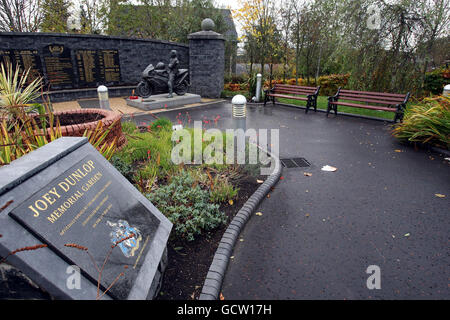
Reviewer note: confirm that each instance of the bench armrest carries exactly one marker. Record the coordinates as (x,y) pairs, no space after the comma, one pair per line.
(336,96)
(406,98)
(317,91)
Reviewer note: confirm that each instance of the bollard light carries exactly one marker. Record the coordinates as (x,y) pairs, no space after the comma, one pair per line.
(258,86)
(103,97)
(447,91)
(239,111)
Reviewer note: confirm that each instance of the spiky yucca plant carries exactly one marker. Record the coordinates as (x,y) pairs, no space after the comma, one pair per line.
(426,122)
(15,92)
(97,138)
(24,135)
(19,130)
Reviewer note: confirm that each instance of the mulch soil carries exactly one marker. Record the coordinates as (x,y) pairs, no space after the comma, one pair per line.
(72,118)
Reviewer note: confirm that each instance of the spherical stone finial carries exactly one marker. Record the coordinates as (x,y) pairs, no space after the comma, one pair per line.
(208,24)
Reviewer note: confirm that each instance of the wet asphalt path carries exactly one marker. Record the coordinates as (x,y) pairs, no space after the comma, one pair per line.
(317,235)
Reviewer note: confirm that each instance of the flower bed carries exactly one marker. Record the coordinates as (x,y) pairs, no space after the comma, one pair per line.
(200,200)
(75,122)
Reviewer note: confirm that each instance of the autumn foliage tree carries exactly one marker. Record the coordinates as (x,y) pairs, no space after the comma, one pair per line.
(258,21)
(55,15)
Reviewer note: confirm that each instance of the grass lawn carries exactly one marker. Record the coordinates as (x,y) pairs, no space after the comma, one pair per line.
(322,103)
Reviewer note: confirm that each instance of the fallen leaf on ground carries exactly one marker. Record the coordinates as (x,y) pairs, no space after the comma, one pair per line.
(407,234)
(193,295)
(259,213)
(268,196)
(232,257)
(241,240)
(329,168)
(307,174)
(259,181)
(398,150)
(439,195)
(307,215)
(221,296)
(230,202)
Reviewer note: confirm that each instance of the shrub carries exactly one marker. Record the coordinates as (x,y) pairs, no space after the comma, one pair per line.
(153,147)
(187,206)
(222,191)
(436,80)
(128,127)
(330,84)
(426,122)
(161,124)
(21,131)
(124,168)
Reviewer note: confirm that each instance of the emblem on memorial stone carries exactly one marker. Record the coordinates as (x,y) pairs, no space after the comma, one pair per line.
(122,230)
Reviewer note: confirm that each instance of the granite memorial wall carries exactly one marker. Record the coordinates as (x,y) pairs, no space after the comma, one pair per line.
(74,65)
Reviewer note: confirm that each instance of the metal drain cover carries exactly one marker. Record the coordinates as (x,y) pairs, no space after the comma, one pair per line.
(295,162)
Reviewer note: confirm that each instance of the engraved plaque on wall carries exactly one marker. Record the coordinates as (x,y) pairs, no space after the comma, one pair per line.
(58,64)
(111,65)
(25,59)
(29,59)
(97,67)
(6,57)
(88,74)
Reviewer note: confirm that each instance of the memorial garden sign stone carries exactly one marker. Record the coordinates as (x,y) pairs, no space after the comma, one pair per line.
(74,196)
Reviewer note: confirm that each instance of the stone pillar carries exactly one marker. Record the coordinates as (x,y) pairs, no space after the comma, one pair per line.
(206,61)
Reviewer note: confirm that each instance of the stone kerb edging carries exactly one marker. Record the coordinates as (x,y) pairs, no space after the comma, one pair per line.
(214,278)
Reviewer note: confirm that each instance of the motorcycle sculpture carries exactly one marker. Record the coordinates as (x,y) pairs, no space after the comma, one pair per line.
(154,81)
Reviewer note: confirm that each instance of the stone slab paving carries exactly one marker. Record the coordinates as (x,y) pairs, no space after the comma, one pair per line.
(120,105)
(318,234)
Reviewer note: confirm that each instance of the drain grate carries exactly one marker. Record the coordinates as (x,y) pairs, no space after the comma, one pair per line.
(295,162)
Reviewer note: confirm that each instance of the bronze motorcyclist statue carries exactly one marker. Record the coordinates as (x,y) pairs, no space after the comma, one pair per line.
(164,78)
(172,69)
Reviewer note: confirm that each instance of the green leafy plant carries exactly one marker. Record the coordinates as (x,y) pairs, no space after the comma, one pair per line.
(187,206)
(124,168)
(23,135)
(161,124)
(426,122)
(16,92)
(222,190)
(97,137)
(436,80)
(26,126)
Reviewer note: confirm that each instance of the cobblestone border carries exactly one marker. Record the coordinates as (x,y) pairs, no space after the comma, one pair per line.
(214,278)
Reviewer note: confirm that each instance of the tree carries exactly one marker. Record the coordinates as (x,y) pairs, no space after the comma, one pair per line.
(20,15)
(286,13)
(160,19)
(258,20)
(55,15)
(90,16)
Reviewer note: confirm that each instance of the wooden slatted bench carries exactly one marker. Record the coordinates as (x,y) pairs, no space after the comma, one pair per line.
(392,102)
(294,92)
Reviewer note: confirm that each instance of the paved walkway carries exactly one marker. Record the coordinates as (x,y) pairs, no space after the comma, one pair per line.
(119,105)
(318,234)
